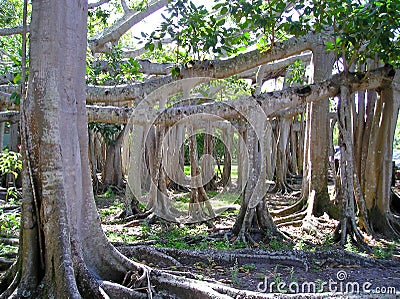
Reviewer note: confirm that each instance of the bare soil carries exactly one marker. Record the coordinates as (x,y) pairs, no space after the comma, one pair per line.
(309,263)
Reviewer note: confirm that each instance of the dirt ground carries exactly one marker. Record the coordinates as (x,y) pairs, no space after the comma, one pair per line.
(309,263)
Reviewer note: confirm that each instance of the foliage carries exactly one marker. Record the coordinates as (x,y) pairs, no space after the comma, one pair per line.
(235,273)
(383,252)
(109,193)
(396,142)
(10,164)
(296,73)
(111,69)
(219,148)
(107,131)
(6,249)
(229,28)
(9,224)
(349,246)
(98,19)
(351,21)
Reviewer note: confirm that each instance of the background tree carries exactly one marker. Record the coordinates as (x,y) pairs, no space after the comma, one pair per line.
(62,245)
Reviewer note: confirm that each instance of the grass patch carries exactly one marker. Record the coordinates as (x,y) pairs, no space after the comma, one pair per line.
(9,224)
(5,249)
(106,212)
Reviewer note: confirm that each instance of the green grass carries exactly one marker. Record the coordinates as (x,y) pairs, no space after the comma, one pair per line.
(4,249)
(9,224)
(114,209)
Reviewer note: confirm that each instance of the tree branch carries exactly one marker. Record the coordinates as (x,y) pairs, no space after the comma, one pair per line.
(12,31)
(271,102)
(112,34)
(137,52)
(97,4)
(218,69)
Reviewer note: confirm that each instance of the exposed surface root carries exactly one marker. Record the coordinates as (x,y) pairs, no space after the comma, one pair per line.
(286,220)
(9,281)
(150,255)
(114,290)
(300,205)
(5,263)
(230,257)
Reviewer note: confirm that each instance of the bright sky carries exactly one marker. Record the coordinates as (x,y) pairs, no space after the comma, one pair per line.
(153,21)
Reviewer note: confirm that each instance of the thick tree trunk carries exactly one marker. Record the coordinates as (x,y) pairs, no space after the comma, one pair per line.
(112,172)
(208,173)
(347,193)
(63,250)
(315,172)
(253,212)
(377,165)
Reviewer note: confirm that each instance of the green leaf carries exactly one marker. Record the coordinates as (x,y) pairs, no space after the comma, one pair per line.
(330,46)
(224,10)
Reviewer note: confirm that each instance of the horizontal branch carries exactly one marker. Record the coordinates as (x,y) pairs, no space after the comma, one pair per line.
(97,4)
(275,69)
(127,53)
(213,69)
(9,116)
(219,69)
(12,31)
(127,92)
(270,103)
(146,67)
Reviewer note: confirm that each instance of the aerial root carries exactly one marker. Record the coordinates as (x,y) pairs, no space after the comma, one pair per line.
(394,225)
(9,241)
(5,263)
(283,188)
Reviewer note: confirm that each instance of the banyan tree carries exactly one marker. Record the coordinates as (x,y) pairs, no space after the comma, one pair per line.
(63,251)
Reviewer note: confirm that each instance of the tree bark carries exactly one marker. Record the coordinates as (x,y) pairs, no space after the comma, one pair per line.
(315,172)
(348,179)
(63,250)
(253,211)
